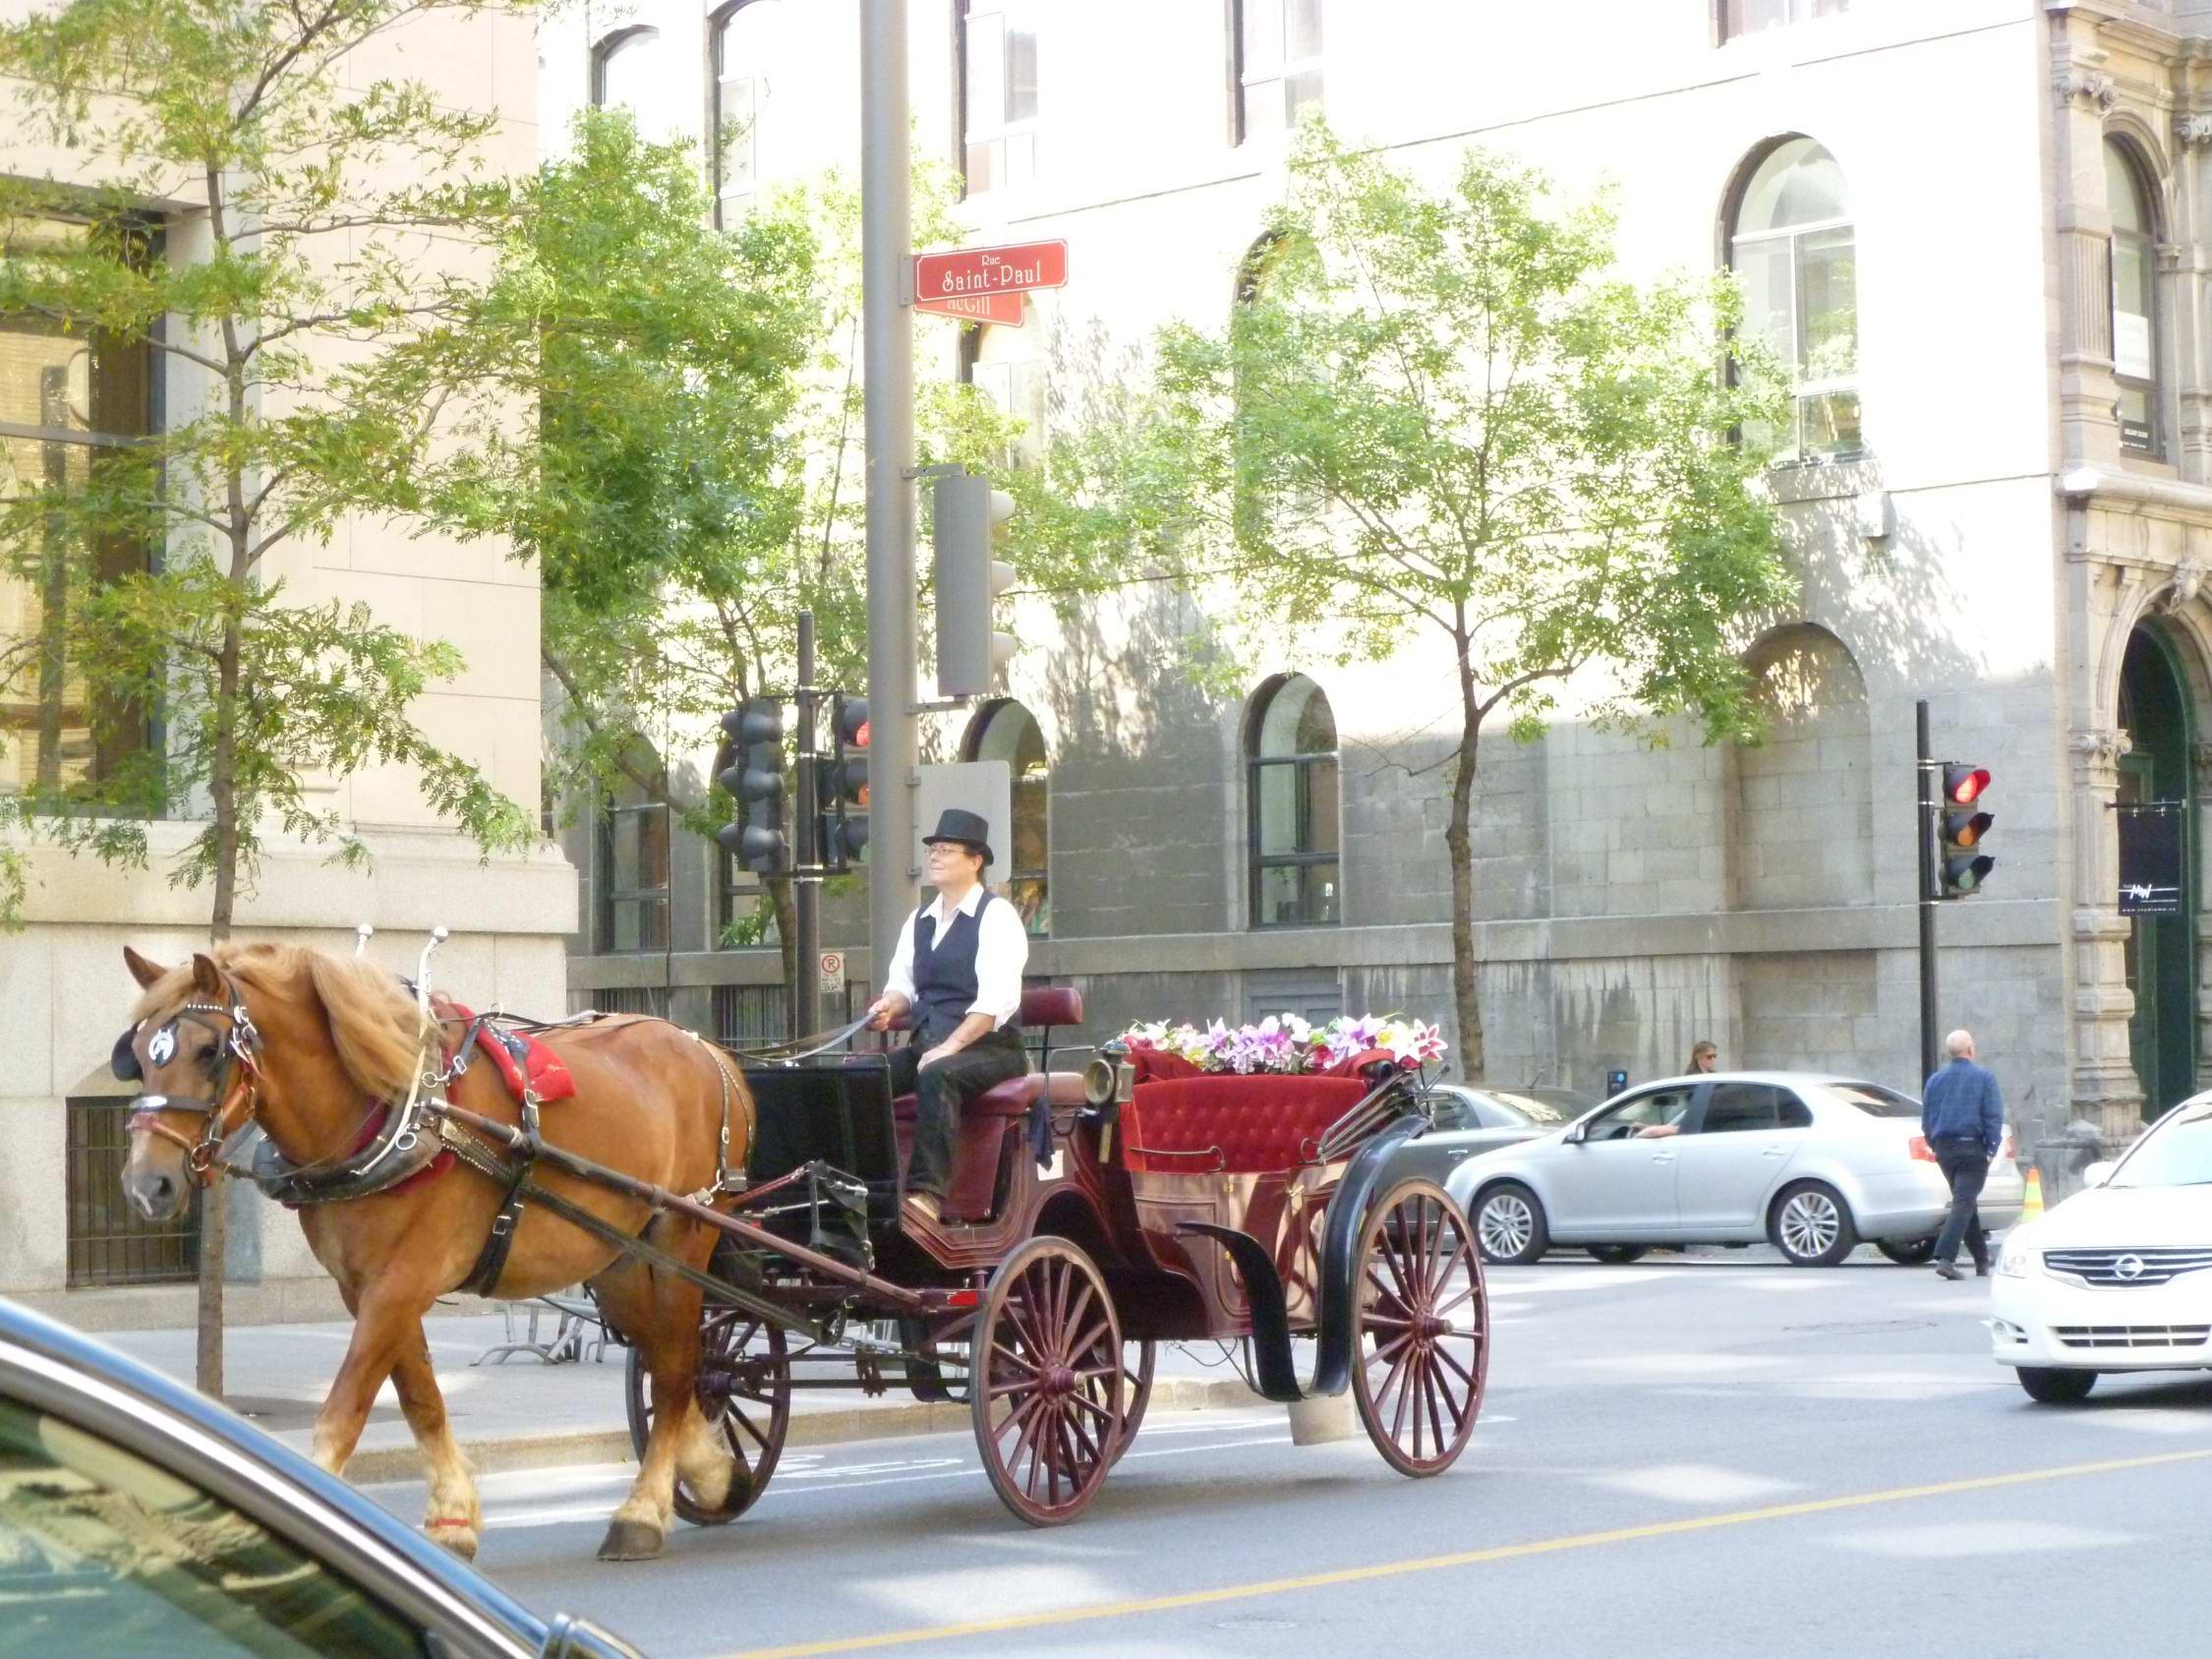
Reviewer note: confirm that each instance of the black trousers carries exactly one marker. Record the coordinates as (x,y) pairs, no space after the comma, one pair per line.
(940,1090)
(1965,1166)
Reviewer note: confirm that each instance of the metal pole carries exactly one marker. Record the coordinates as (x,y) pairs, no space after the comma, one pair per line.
(888,372)
(806,979)
(1925,827)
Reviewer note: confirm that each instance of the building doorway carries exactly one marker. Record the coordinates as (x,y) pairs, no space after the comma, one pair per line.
(2161,950)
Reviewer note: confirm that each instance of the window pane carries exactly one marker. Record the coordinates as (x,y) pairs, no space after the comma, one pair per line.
(1300,92)
(1319,789)
(1798,183)
(1829,423)
(107,1554)
(737,108)
(1763,269)
(1738,1107)
(2132,280)
(1301,29)
(626,78)
(984,164)
(986,74)
(1828,277)
(1263,107)
(1297,894)
(2124,192)
(1021,150)
(1021,73)
(1276,791)
(1263,35)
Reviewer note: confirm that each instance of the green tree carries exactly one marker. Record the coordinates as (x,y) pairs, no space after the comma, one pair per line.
(696,476)
(1436,416)
(286,293)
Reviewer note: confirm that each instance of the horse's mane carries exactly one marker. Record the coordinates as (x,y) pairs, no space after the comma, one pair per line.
(374,1027)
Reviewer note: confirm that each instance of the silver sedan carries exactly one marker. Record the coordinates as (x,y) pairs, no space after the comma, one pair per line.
(1811,1163)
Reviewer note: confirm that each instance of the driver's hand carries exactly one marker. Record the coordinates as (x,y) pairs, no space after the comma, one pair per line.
(881,1012)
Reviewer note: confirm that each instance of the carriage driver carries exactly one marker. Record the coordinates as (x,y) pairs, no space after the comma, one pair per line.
(959,966)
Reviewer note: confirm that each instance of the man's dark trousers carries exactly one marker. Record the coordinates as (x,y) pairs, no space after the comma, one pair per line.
(1966,1165)
(939,1090)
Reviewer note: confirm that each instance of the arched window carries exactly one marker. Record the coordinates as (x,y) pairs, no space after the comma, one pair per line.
(2134,299)
(1791,246)
(998,70)
(1006,731)
(622,66)
(743,45)
(630,864)
(1291,752)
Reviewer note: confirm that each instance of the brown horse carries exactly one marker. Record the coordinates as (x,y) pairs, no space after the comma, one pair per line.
(314,1048)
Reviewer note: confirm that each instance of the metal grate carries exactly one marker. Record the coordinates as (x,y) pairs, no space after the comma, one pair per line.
(745,1015)
(2149,1265)
(109,1241)
(2132,1335)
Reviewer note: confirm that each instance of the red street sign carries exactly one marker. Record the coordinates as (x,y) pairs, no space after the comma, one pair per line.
(1003,309)
(961,272)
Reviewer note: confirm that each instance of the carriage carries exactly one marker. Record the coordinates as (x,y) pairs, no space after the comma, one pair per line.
(1104,1213)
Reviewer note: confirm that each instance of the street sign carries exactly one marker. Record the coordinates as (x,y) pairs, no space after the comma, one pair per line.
(1003,310)
(1002,274)
(833,968)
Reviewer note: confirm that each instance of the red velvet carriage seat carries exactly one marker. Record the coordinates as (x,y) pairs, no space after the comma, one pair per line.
(991,1123)
(1250,1125)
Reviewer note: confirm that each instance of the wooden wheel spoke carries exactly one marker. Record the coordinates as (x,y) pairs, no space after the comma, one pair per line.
(1059,1276)
(1431,1384)
(1466,1375)
(1092,1337)
(1396,1269)
(1449,1264)
(1076,1307)
(1410,1392)
(1463,1296)
(1079,1439)
(1384,1351)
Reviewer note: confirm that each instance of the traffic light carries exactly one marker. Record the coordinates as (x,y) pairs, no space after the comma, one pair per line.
(844,783)
(1960,828)
(969,650)
(755,778)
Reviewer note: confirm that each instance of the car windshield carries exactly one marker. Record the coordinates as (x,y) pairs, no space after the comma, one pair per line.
(1528,1107)
(2178,1153)
(1876,1100)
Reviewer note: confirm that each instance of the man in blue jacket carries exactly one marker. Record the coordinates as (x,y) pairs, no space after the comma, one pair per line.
(1963,1116)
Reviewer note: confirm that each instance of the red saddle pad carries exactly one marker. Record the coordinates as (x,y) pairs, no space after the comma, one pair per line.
(522,1060)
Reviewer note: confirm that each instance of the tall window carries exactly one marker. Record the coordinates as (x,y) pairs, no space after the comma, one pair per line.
(742,33)
(622,66)
(71,402)
(1002,364)
(1793,248)
(1276,45)
(632,868)
(1748,17)
(998,94)
(2135,279)
(1295,840)
(1008,732)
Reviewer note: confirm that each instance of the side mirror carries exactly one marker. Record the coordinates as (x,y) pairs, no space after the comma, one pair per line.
(1575,1135)
(2097,1174)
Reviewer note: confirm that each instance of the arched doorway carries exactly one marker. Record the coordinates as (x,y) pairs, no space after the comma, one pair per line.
(2161,950)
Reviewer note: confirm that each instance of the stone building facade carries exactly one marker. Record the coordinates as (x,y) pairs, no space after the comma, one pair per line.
(66,1238)
(1976,230)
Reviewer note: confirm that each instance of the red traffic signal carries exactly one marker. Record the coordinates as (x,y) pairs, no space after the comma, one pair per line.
(1963,785)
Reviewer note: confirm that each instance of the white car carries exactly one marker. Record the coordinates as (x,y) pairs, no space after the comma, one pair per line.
(2119,1277)
(1810,1161)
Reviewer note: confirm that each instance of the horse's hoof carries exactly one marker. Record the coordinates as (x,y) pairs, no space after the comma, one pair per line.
(630,1540)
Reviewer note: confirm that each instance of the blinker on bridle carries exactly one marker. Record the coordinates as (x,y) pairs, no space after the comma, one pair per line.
(240,1044)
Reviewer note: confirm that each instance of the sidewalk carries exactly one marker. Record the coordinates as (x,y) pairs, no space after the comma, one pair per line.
(522,1414)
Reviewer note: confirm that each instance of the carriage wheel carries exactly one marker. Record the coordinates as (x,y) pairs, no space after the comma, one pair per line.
(1137,1389)
(1424,1333)
(744,1389)
(1046,1394)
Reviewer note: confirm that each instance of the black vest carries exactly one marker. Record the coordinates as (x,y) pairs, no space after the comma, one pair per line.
(944,974)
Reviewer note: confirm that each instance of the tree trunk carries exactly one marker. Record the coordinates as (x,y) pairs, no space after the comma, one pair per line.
(1459,844)
(222,787)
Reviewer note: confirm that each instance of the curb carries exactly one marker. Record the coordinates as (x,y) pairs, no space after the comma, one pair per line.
(386,1465)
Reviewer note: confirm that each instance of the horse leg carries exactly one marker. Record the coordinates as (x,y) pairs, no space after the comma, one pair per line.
(451,1515)
(381,1325)
(660,1315)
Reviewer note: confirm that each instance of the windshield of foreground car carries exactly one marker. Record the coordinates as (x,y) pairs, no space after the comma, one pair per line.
(1530,1108)
(2179,1154)
(1876,1100)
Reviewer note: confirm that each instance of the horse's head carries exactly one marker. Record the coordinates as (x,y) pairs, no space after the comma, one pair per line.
(196,1052)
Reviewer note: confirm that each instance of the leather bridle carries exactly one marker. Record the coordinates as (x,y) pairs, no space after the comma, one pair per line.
(237,1086)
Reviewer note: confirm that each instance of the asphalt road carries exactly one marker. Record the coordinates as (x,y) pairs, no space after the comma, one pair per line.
(1703,1458)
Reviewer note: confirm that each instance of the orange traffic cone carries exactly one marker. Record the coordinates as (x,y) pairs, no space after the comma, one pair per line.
(2031,1201)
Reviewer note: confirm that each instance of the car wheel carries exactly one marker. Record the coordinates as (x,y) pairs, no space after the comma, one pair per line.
(1812,1226)
(1617,1254)
(1908,1252)
(1509,1225)
(2051,1387)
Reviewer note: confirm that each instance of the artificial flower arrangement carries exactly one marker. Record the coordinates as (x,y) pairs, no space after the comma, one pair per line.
(1287,1044)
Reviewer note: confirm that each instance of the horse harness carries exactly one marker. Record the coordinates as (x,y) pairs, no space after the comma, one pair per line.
(240,1045)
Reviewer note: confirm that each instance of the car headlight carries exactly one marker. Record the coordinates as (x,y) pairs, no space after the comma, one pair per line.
(2015,1258)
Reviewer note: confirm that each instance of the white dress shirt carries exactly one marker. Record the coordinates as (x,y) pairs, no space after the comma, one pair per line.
(1001,951)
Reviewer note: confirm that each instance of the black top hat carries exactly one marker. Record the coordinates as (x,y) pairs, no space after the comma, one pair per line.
(967,828)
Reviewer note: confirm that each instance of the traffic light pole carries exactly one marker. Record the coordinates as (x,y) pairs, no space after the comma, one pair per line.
(888,374)
(806,895)
(1926,827)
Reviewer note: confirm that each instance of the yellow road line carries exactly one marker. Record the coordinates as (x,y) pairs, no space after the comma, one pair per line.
(1464,1558)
